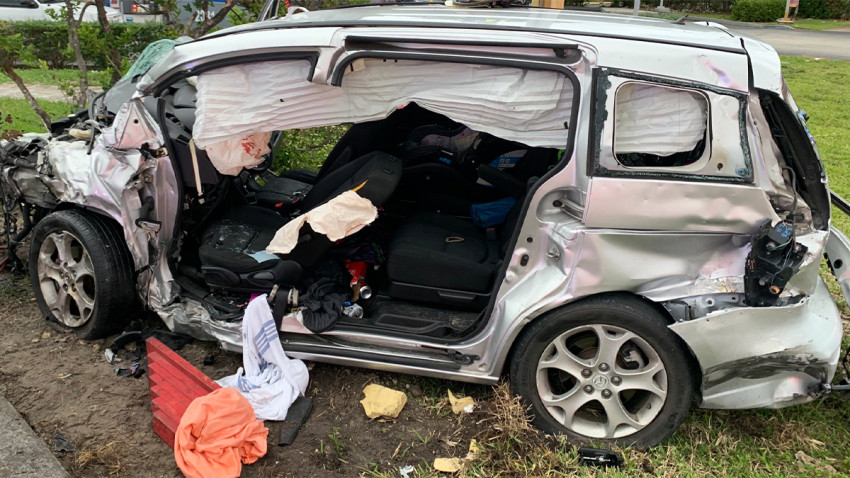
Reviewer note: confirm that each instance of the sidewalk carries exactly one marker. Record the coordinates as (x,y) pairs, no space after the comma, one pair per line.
(22,453)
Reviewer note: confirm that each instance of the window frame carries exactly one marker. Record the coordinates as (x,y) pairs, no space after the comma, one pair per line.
(603,93)
(707,147)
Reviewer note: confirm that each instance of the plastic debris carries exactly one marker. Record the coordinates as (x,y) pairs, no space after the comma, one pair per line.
(295,417)
(62,443)
(453,465)
(599,457)
(474,450)
(174,383)
(406,471)
(448,465)
(127,371)
(382,401)
(465,404)
(110,356)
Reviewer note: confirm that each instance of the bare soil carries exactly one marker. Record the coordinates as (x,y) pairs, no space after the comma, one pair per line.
(62,384)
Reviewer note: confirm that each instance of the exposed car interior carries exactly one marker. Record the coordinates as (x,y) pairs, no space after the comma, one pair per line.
(449,200)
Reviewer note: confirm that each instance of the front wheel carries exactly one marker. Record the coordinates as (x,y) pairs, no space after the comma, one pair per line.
(605,368)
(81,273)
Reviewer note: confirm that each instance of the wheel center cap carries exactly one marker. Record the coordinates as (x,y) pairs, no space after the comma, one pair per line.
(599,381)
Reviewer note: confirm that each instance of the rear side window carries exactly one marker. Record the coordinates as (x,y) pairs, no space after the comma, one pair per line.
(650,127)
(658,126)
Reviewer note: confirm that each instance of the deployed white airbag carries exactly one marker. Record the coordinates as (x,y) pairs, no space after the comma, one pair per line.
(340,217)
(238,101)
(658,120)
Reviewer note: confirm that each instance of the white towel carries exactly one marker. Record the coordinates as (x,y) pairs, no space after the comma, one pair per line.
(271,380)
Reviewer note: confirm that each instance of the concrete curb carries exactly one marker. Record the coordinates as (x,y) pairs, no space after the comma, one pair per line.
(22,453)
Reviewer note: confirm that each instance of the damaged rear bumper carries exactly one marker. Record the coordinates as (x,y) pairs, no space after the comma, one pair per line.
(766,357)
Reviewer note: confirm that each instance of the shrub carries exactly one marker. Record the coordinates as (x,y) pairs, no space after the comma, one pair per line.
(49,40)
(823,9)
(696,6)
(758,10)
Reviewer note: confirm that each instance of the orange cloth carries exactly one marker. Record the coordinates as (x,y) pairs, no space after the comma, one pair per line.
(217,434)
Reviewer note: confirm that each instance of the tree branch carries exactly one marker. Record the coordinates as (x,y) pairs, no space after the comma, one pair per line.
(74,40)
(11,73)
(187,28)
(114,55)
(217,18)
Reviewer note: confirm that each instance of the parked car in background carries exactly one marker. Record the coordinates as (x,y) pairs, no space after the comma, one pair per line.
(15,10)
(623,215)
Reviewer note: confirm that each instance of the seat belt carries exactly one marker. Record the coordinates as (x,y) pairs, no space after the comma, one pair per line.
(196,170)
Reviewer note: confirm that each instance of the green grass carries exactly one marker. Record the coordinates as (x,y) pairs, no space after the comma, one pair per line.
(23,118)
(48,77)
(802,23)
(64,77)
(820,88)
(815,24)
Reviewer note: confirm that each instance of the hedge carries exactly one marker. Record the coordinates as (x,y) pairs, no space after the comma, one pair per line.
(770,10)
(758,10)
(823,9)
(49,40)
(696,6)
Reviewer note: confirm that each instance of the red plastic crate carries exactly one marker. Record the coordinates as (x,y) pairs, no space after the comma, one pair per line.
(174,383)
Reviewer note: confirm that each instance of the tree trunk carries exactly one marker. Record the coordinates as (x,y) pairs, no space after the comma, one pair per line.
(216,19)
(114,55)
(74,40)
(11,73)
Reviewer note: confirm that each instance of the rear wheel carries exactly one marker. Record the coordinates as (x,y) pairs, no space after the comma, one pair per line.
(81,273)
(606,368)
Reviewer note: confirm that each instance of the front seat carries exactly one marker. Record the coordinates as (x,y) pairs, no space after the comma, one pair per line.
(232,251)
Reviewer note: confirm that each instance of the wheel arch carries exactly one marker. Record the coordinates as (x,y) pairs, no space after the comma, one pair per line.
(696,370)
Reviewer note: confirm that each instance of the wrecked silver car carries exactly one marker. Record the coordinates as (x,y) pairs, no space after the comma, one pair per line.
(622,214)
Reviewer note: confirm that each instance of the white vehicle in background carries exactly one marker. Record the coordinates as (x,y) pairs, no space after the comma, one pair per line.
(116,11)
(17,10)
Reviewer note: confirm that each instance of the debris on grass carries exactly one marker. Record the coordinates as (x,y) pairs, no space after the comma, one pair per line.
(62,443)
(465,404)
(406,471)
(448,465)
(382,401)
(453,465)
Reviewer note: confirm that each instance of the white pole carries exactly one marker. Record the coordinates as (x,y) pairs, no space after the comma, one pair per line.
(637,7)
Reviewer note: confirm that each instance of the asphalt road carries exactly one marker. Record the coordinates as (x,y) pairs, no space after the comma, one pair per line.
(834,45)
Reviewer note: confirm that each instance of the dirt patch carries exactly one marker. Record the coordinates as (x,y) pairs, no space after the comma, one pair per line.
(62,384)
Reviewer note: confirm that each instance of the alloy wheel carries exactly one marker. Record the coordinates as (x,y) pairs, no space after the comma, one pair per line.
(601,381)
(66,278)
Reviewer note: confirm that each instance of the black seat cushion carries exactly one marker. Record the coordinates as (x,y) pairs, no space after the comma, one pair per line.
(374,176)
(442,251)
(240,245)
(277,191)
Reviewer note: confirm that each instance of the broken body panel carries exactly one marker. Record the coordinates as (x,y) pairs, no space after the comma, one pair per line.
(683,243)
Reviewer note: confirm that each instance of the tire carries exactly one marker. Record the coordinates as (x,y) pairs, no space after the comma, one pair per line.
(638,400)
(81,273)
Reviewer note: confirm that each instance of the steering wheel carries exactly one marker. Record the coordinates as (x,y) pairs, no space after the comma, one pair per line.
(268,159)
